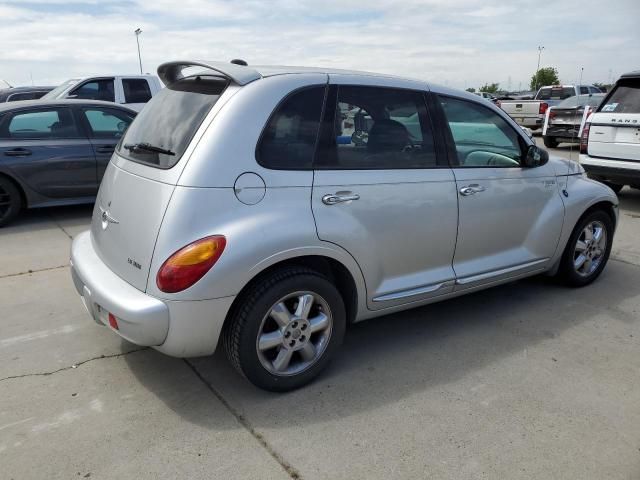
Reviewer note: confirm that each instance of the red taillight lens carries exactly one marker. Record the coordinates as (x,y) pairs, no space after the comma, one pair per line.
(113,321)
(543,108)
(552,115)
(584,139)
(189,264)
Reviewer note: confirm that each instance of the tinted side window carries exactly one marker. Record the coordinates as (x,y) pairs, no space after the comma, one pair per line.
(107,123)
(482,137)
(584,90)
(16,97)
(49,123)
(378,128)
(95,90)
(136,90)
(289,139)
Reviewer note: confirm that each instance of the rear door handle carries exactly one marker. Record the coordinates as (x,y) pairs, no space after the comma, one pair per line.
(105,149)
(471,189)
(333,198)
(17,152)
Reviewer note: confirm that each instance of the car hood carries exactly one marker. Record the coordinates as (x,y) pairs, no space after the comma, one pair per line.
(564,166)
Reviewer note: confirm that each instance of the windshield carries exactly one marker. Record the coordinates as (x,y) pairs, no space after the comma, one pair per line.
(60,88)
(582,100)
(162,131)
(555,93)
(625,97)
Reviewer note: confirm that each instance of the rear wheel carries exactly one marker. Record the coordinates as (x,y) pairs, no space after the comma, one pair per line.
(550,142)
(10,201)
(588,249)
(286,329)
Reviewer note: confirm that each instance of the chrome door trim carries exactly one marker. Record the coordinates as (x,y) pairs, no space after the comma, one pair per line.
(334,198)
(497,273)
(412,292)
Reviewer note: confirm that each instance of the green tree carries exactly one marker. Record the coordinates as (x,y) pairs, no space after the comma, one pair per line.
(471,90)
(490,87)
(544,76)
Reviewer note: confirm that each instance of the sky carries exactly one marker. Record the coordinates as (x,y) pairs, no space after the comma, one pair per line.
(459,43)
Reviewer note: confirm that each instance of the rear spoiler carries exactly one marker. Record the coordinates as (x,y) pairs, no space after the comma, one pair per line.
(171,71)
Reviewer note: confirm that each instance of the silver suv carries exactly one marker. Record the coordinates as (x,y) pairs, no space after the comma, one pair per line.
(269,207)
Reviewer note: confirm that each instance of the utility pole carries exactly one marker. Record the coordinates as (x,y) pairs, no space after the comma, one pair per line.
(138,32)
(540,49)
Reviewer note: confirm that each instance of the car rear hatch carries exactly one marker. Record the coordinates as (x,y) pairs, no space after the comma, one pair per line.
(141,177)
(615,127)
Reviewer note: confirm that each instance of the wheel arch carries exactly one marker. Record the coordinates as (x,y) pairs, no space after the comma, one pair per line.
(333,269)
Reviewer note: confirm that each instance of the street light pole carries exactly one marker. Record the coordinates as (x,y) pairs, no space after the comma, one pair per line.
(538,69)
(138,32)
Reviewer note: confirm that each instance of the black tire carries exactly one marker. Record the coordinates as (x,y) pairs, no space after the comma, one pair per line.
(567,271)
(243,327)
(614,186)
(549,142)
(10,201)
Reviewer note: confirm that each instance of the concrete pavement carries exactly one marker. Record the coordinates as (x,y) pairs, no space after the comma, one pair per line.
(527,380)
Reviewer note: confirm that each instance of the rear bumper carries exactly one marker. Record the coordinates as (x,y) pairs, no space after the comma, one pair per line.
(621,172)
(568,131)
(177,328)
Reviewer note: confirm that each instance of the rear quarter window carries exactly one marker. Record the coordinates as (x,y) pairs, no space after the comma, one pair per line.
(170,120)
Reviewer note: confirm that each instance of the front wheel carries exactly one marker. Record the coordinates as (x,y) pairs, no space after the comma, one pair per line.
(286,329)
(588,249)
(549,142)
(10,201)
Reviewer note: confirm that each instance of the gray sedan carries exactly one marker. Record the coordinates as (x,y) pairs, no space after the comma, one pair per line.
(55,152)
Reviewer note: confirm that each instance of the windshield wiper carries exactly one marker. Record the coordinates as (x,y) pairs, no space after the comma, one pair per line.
(148,147)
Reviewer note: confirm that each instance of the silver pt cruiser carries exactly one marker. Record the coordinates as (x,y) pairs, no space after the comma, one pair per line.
(268,207)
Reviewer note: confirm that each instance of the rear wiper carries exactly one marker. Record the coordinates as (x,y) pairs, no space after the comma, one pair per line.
(148,147)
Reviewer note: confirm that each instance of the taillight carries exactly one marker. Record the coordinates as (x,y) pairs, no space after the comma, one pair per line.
(498,103)
(552,115)
(189,264)
(543,108)
(584,139)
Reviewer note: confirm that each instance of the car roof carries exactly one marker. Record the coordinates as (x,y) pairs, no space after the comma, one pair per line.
(634,74)
(4,107)
(242,75)
(24,89)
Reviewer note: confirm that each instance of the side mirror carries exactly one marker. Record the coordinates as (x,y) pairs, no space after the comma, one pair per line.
(535,157)
(527,131)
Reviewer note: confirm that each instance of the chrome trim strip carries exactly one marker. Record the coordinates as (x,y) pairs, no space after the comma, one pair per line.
(412,292)
(497,273)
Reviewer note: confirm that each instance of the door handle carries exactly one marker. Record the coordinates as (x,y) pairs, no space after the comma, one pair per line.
(333,198)
(471,189)
(108,149)
(17,152)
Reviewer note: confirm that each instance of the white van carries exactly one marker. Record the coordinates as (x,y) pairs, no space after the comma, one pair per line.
(610,140)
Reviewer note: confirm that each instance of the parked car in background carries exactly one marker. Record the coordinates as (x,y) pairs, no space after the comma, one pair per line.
(134,91)
(15,94)
(563,121)
(55,152)
(235,212)
(610,140)
(531,113)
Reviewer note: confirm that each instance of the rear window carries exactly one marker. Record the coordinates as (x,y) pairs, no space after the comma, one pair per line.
(555,93)
(163,130)
(625,98)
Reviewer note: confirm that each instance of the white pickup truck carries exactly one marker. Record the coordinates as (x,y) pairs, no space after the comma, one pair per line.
(531,113)
(134,91)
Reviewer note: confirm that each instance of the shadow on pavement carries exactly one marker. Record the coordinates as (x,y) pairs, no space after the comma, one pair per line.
(386,359)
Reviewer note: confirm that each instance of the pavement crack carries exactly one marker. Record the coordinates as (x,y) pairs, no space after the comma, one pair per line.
(17,274)
(75,365)
(286,466)
(59,225)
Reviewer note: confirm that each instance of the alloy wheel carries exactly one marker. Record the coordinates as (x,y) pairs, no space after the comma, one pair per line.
(590,248)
